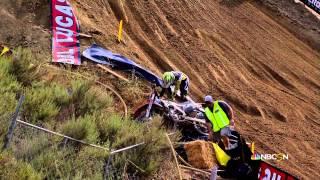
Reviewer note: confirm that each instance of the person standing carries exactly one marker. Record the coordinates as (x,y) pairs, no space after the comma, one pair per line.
(219,119)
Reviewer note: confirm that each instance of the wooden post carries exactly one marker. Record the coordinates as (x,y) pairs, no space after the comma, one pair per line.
(174,155)
(113,73)
(9,135)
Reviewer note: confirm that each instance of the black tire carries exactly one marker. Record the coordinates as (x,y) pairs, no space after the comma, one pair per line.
(140,115)
(200,128)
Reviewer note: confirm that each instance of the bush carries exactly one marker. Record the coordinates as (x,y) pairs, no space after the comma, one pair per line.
(84,128)
(10,168)
(123,133)
(55,163)
(8,82)
(65,163)
(150,156)
(90,162)
(108,127)
(30,144)
(7,106)
(39,104)
(8,89)
(88,100)
(23,67)
(120,132)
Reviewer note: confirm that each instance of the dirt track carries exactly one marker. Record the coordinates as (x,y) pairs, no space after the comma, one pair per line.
(230,50)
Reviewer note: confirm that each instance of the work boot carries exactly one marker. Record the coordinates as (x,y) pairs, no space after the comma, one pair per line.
(184,98)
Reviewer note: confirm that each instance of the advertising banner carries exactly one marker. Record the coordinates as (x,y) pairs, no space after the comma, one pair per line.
(65,30)
(313,4)
(269,172)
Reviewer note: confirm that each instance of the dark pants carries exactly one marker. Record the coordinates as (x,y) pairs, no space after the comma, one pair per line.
(184,86)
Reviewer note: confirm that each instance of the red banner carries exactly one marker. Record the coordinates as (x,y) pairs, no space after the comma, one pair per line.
(65,30)
(269,172)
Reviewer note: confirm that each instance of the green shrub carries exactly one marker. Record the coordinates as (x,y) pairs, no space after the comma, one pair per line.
(43,102)
(55,163)
(130,133)
(65,163)
(88,100)
(24,68)
(10,168)
(83,128)
(123,133)
(30,144)
(108,127)
(8,82)
(7,107)
(150,155)
(90,162)
(39,104)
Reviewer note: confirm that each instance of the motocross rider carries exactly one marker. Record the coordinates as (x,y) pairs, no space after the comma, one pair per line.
(179,80)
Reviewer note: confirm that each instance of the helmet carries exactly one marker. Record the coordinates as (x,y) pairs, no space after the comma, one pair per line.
(168,78)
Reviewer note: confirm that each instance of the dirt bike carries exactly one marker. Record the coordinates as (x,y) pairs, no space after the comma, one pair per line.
(187,115)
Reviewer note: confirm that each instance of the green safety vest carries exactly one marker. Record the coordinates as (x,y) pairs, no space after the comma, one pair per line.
(218,117)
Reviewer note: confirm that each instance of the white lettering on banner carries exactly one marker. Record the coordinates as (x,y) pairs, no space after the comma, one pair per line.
(66,55)
(65,10)
(63,32)
(68,23)
(269,176)
(315,3)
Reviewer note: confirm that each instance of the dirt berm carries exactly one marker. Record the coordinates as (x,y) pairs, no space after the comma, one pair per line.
(236,51)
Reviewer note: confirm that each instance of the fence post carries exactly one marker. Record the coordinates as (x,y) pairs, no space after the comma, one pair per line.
(106,169)
(9,135)
(107,165)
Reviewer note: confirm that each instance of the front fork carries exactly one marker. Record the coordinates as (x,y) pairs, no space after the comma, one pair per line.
(152,98)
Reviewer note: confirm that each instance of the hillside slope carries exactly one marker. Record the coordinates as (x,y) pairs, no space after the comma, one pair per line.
(230,50)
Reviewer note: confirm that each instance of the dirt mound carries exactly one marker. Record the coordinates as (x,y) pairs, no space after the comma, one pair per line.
(296,17)
(25,23)
(232,50)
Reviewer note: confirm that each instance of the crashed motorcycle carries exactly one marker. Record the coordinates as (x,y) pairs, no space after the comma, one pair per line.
(187,116)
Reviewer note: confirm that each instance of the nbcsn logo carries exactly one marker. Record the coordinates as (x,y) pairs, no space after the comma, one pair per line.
(265,157)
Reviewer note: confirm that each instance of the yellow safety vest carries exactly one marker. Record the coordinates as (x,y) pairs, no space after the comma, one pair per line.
(218,117)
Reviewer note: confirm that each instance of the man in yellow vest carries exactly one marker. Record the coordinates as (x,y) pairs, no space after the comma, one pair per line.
(219,118)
